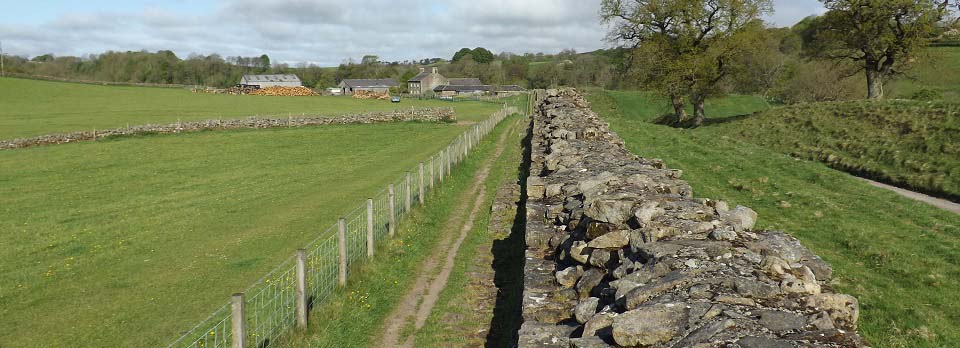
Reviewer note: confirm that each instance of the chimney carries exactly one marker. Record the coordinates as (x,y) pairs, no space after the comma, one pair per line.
(422,69)
(436,70)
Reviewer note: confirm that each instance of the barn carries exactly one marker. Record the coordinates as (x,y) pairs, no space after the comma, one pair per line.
(264,81)
(348,86)
(451,90)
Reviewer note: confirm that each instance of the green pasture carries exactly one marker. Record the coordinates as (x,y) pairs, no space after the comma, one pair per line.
(32,108)
(129,242)
(900,257)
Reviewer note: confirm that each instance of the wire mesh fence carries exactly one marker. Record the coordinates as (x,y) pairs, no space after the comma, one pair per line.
(322,265)
(270,306)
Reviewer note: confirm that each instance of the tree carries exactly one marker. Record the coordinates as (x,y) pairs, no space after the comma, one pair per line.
(482,55)
(460,54)
(684,47)
(370,60)
(43,58)
(882,36)
(264,62)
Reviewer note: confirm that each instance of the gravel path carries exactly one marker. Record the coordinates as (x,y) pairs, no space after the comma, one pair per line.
(936,202)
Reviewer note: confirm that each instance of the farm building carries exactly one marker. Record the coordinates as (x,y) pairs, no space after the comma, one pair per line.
(347,87)
(470,81)
(451,90)
(425,81)
(507,90)
(264,81)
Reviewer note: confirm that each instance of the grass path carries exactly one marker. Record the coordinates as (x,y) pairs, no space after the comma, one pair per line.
(431,281)
(355,317)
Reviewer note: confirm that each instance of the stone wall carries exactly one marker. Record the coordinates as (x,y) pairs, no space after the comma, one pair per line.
(413,114)
(620,254)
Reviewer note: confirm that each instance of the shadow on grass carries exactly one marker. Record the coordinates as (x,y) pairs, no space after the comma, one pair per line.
(671,121)
(508,262)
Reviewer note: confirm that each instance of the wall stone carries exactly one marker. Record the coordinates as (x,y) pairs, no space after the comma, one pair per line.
(621,254)
(403,115)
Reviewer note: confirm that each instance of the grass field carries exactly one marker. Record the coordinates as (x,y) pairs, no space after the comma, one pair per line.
(356,318)
(33,108)
(128,242)
(900,257)
(940,72)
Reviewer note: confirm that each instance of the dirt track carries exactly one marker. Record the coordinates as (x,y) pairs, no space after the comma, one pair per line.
(431,280)
(936,202)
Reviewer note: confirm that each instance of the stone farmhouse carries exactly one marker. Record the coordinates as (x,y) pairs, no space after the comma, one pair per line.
(432,82)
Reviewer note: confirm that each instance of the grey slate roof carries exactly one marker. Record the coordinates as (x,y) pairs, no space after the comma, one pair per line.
(271,78)
(419,77)
(354,83)
(451,88)
(470,81)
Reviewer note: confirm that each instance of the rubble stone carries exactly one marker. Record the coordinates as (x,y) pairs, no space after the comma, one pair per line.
(659,267)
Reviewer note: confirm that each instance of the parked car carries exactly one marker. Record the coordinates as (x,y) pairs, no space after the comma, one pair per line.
(395,99)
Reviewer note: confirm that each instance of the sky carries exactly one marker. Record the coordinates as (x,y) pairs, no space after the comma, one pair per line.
(322,32)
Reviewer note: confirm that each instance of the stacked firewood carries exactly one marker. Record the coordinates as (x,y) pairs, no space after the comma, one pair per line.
(284,91)
(371,95)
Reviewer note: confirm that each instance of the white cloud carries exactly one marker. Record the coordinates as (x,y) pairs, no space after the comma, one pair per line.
(330,31)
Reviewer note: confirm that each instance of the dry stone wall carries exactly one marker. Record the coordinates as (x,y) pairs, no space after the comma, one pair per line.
(620,254)
(413,114)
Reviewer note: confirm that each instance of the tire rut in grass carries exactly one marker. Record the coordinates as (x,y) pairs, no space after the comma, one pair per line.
(419,301)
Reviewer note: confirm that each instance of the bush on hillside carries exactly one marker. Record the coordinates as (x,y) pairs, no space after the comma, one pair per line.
(927,94)
(819,81)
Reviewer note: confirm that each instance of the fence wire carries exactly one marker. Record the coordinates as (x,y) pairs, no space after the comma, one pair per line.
(322,266)
(270,304)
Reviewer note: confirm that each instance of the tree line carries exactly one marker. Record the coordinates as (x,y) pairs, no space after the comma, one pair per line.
(533,70)
(691,50)
(687,50)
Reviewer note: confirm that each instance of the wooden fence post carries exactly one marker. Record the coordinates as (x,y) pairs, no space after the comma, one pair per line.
(447,159)
(342,239)
(370,238)
(238,323)
(440,166)
(421,186)
(392,228)
(433,163)
(301,288)
(408,199)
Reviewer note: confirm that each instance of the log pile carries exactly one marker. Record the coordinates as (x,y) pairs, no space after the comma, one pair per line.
(371,95)
(278,91)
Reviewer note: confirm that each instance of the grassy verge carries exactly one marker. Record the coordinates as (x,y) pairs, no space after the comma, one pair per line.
(137,239)
(464,314)
(33,108)
(355,315)
(905,143)
(909,144)
(900,257)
